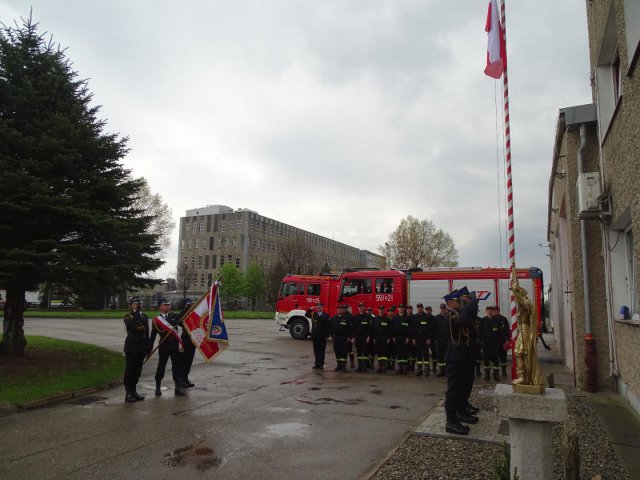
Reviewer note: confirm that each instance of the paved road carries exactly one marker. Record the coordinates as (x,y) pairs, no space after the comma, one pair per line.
(258,411)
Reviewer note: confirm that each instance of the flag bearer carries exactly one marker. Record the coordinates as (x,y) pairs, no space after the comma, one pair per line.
(165,325)
(492,339)
(401,338)
(361,334)
(321,327)
(340,330)
(421,340)
(135,348)
(189,347)
(381,333)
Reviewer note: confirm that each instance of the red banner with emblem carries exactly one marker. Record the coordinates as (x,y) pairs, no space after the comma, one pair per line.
(205,324)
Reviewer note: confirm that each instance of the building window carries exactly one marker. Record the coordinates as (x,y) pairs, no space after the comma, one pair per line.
(182,245)
(210,243)
(202,280)
(214,259)
(237,262)
(206,262)
(194,226)
(201,227)
(229,258)
(631,273)
(189,244)
(221,261)
(186,227)
(199,261)
(193,260)
(616,77)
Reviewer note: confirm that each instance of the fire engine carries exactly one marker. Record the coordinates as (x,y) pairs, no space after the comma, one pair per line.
(299,294)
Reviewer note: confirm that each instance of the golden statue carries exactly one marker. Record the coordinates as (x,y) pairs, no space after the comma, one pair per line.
(530,379)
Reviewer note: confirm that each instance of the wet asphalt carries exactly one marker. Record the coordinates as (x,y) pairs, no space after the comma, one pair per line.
(257,411)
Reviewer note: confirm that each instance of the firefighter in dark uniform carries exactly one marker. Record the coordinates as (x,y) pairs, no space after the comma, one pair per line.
(492,338)
(320,330)
(401,337)
(458,358)
(421,340)
(372,351)
(470,307)
(441,335)
(350,346)
(506,328)
(340,331)
(165,325)
(381,334)
(433,366)
(391,347)
(135,348)
(189,348)
(361,334)
(411,363)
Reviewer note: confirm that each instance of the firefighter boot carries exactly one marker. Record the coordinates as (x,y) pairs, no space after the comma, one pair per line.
(504,370)
(158,391)
(427,371)
(398,368)
(486,374)
(380,363)
(365,365)
(360,367)
(440,372)
(496,375)
(419,370)
(179,391)
(478,369)
(351,360)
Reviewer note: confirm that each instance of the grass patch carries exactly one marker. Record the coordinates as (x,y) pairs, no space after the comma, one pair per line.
(50,367)
(60,313)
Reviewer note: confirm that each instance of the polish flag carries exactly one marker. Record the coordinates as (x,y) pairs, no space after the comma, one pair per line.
(496,49)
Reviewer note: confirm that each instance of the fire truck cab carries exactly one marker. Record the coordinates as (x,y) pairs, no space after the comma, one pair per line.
(298,297)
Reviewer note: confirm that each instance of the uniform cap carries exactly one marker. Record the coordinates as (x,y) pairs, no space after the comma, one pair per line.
(134,300)
(164,301)
(380,307)
(401,305)
(342,306)
(320,305)
(419,305)
(409,306)
(429,307)
(443,305)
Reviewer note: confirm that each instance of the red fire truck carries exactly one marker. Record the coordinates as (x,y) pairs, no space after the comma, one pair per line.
(299,293)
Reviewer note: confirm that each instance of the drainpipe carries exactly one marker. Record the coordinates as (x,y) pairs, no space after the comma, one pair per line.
(590,358)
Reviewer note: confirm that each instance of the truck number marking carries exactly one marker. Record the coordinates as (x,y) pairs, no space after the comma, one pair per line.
(384,298)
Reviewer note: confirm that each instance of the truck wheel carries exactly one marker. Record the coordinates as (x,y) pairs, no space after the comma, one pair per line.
(299,328)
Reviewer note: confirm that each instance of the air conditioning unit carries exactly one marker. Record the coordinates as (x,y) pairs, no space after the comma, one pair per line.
(589,191)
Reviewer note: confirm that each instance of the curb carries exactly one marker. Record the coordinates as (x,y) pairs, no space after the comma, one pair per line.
(9,408)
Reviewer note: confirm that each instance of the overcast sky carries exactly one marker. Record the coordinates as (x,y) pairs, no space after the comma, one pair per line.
(339,117)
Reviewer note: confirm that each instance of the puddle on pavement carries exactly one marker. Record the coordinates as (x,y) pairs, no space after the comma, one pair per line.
(314,388)
(295,381)
(202,458)
(288,430)
(377,391)
(396,407)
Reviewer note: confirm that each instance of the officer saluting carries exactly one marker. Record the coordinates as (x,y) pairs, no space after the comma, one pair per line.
(135,348)
(458,358)
(320,330)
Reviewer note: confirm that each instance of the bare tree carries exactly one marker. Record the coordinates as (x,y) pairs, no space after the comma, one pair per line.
(274,278)
(152,205)
(417,243)
(185,278)
(298,256)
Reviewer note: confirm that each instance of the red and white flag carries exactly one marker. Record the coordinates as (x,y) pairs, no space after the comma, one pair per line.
(205,324)
(496,48)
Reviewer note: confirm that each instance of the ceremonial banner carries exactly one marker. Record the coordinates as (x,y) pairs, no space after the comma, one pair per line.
(205,324)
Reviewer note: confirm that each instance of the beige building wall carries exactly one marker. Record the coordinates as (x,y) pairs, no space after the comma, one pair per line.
(566,254)
(614,36)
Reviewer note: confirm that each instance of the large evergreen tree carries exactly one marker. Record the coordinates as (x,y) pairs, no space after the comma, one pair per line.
(66,201)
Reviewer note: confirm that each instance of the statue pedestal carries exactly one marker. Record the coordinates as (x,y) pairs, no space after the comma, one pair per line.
(530,418)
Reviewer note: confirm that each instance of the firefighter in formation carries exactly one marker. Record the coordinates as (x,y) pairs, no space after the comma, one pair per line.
(405,342)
